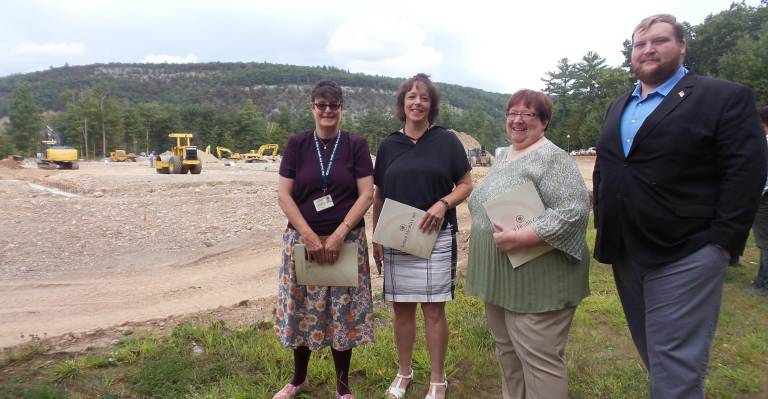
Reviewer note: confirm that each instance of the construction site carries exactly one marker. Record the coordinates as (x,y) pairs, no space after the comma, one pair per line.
(90,253)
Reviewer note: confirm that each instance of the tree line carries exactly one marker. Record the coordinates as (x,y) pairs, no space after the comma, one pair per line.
(100,108)
(97,122)
(731,44)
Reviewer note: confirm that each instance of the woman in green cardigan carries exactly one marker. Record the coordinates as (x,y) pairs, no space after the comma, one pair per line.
(530,307)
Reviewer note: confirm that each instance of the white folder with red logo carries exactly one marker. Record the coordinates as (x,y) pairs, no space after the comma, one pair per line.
(515,210)
(398,228)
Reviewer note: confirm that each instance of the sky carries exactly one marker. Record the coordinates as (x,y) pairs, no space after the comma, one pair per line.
(498,46)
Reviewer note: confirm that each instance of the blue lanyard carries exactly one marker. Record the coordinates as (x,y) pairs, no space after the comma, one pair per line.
(325,173)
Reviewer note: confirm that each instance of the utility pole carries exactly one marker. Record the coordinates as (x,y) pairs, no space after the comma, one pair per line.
(103,129)
(85,136)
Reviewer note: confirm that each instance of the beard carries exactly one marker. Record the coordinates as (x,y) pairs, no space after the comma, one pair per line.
(656,74)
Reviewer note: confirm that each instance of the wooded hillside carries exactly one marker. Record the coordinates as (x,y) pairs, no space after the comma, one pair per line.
(238,105)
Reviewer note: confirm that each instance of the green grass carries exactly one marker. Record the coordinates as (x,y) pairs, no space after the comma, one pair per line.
(215,360)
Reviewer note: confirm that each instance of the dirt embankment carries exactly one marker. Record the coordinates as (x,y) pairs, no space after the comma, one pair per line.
(110,243)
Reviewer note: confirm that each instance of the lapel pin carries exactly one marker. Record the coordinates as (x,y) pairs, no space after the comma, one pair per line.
(681,93)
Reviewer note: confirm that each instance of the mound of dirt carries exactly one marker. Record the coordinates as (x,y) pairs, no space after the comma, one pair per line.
(10,163)
(206,157)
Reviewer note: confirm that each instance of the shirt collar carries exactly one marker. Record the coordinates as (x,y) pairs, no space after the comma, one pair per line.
(664,88)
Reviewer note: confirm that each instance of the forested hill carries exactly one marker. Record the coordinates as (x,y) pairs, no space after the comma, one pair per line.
(238,105)
(270,86)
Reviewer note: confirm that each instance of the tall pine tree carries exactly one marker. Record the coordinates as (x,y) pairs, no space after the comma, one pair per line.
(26,118)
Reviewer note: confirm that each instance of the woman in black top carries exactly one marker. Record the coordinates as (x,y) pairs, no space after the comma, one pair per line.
(424,166)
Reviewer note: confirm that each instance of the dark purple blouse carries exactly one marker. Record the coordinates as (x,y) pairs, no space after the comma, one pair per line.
(300,163)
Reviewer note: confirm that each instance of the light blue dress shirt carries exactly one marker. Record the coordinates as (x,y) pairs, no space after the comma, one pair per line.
(638,109)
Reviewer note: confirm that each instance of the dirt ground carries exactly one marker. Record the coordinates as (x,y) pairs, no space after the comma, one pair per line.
(111,249)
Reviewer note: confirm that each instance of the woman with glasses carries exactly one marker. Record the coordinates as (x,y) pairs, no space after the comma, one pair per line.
(530,307)
(424,166)
(325,188)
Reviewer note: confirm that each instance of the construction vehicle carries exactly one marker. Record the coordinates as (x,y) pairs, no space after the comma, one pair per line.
(121,156)
(258,155)
(53,155)
(226,153)
(181,159)
(480,157)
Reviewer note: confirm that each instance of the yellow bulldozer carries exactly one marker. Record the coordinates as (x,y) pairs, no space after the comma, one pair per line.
(53,155)
(121,156)
(258,155)
(182,157)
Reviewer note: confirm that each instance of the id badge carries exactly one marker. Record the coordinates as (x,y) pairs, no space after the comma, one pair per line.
(323,203)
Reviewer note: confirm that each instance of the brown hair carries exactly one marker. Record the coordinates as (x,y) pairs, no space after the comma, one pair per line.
(434,96)
(327,89)
(764,115)
(661,18)
(535,100)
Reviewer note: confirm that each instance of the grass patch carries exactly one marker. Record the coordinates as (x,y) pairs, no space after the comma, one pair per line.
(214,360)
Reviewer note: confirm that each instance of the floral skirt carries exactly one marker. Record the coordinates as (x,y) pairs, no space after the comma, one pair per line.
(318,317)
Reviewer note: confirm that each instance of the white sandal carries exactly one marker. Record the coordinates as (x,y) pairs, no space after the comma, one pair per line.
(433,388)
(394,388)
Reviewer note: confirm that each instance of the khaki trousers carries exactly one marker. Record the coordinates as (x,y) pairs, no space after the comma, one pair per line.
(530,349)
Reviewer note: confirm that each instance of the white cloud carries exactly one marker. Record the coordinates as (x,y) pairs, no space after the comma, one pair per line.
(50,49)
(169,59)
(381,46)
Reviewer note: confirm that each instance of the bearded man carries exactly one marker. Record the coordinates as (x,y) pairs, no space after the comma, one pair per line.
(681,163)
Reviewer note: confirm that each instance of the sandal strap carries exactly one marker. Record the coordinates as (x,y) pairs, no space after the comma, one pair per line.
(395,390)
(407,377)
(432,394)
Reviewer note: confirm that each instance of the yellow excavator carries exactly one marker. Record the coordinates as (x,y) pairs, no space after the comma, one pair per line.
(53,155)
(258,155)
(224,153)
(182,158)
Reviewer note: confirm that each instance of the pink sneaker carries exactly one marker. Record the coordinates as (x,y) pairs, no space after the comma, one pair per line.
(290,390)
(346,396)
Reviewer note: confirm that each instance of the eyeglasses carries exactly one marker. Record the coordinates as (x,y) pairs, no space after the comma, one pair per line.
(527,116)
(324,106)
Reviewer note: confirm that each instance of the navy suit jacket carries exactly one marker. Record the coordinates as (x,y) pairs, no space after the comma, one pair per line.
(693,176)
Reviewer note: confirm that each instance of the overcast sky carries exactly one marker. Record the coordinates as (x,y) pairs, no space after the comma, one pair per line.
(498,46)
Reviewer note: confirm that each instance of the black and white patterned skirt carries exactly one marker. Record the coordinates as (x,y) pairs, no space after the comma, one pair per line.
(408,278)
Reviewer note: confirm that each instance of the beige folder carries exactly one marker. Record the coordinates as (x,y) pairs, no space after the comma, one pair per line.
(398,228)
(517,209)
(342,273)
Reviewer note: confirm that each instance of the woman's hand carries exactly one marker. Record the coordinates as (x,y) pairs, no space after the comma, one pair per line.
(378,255)
(332,247)
(313,245)
(433,219)
(506,239)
